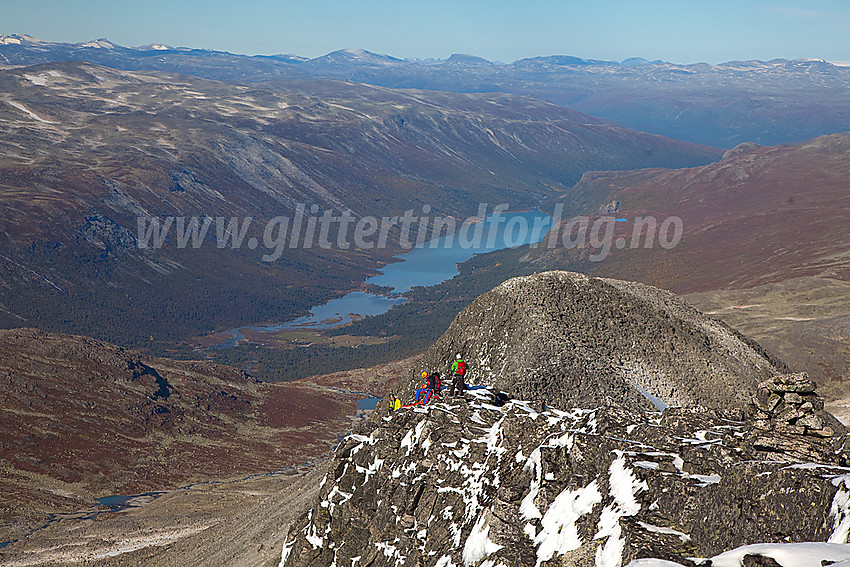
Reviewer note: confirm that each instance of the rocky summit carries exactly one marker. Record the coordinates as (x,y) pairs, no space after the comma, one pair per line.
(572,340)
(555,457)
(473,483)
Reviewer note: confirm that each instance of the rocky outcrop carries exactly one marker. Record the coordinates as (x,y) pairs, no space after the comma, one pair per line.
(472,483)
(747,454)
(568,339)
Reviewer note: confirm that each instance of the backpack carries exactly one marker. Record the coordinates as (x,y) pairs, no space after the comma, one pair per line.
(434,383)
(461,368)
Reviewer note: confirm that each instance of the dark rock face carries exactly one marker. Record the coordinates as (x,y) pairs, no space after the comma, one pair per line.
(568,339)
(467,482)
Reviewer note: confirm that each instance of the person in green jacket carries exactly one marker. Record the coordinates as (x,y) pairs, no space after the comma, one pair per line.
(458,372)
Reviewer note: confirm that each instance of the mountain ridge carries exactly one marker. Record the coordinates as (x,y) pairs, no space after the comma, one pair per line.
(758,216)
(515,483)
(512,475)
(719,105)
(84,419)
(563,59)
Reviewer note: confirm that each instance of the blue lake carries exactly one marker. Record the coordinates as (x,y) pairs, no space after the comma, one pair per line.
(433,262)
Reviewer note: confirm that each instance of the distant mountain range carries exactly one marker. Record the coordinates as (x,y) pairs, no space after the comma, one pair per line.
(720,105)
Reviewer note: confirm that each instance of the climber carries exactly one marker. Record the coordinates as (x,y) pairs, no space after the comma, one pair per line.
(431,386)
(458,372)
(425,386)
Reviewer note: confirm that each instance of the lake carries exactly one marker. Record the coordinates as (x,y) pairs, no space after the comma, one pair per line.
(430,264)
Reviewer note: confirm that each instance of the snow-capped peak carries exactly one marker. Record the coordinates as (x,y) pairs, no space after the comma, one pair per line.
(101,43)
(18,39)
(154,47)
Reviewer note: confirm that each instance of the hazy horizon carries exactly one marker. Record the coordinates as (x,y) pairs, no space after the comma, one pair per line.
(502,31)
(394,56)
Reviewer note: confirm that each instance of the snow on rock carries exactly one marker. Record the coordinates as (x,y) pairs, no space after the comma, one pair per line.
(479,545)
(840,510)
(480,484)
(527,509)
(559,533)
(808,554)
(623,487)
(101,43)
(787,555)
(659,530)
(28,112)
(284,555)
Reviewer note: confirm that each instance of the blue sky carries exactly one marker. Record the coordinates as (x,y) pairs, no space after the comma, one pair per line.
(681,31)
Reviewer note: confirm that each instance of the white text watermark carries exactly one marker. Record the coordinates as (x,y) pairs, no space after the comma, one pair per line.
(311,227)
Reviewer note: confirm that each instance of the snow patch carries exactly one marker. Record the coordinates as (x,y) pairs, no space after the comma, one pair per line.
(390,550)
(527,509)
(27,111)
(668,531)
(624,486)
(704,480)
(479,545)
(565,440)
(39,80)
(559,533)
(284,554)
(313,539)
(372,469)
(840,510)
(412,437)
(329,501)
(492,438)
(786,554)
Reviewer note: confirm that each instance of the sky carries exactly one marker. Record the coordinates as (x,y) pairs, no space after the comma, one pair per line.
(680,31)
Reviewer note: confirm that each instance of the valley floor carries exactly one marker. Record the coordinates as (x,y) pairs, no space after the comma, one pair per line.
(239,524)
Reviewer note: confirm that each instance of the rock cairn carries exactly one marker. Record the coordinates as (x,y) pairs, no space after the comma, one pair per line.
(789,404)
(788,416)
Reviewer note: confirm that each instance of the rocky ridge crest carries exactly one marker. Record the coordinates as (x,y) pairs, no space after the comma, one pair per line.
(468,482)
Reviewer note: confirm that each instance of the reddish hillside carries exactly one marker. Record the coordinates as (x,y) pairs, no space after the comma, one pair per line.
(84,419)
(760,215)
